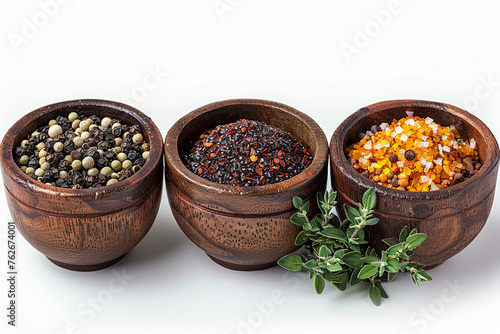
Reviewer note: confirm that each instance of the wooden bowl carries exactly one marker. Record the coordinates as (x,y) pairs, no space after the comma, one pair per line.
(451,217)
(242,228)
(84,229)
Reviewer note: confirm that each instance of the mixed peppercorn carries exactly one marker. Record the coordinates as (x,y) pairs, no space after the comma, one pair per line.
(82,152)
(246,153)
(414,154)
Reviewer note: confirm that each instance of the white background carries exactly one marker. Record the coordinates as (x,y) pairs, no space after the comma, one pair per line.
(325,58)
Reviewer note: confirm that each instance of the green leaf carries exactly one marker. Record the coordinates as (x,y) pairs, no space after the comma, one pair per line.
(391,276)
(382,291)
(353,259)
(367,271)
(320,198)
(390,241)
(394,249)
(375,295)
(415,240)
(351,213)
(297,202)
(292,262)
(332,197)
(319,284)
(335,267)
(354,277)
(324,252)
(423,276)
(333,233)
(405,232)
(301,238)
(370,199)
(370,259)
(311,264)
(299,219)
(343,278)
(306,205)
(372,221)
(392,266)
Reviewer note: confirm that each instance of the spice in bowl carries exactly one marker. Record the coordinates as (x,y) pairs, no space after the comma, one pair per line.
(81,151)
(246,153)
(414,154)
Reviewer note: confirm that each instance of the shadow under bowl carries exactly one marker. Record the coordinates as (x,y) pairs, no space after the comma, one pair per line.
(451,217)
(83,229)
(242,228)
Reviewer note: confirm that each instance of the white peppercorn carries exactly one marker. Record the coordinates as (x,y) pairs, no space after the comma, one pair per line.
(75,124)
(117,149)
(78,141)
(145,154)
(76,164)
(116,125)
(84,125)
(40,172)
(115,176)
(68,158)
(43,153)
(118,141)
(120,156)
(72,116)
(106,171)
(58,147)
(93,172)
(137,139)
(25,143)
(78,132)
(92,127)
(145,146)
(30,170)
(40,146)
(111,181)
(63,174)
(85,135)
(88,162)
(41,161)
(116,165)
(127,164)
(105,122)
(55,130)
(45,166)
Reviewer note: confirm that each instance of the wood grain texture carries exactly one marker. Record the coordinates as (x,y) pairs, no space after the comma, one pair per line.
(242,228)
(451,217)
(84,229)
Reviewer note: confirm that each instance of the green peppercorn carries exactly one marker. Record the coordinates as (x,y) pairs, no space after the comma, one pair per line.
(127,164)
(76,164)
(111,181)
(88,162)
(24,160)
(120,156)
(39,172)
(52,122)
(72,116)
(116,165)
(106,171)
(137,139)
(30,170)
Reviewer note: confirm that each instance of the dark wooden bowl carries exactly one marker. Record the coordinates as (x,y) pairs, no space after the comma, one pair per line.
(451,217)
(242,228)
(84,229)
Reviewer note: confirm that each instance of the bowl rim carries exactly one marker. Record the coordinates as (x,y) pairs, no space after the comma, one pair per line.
(341,162)
(174,161)
(14,172)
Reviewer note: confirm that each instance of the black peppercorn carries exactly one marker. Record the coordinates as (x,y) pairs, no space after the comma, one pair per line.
(393,158)
(93,153)
(103,145)
(410,155)
(466,173)
(395,182)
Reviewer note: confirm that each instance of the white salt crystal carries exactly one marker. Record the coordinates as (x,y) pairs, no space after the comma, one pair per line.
(451,127)
(368,145)
(404,137)
(444,137)
(428,120)
(459,165)
(439,161)
(446,149)
(429,164)
(402,151)
(409,113)
(369,155)
(472,143)
(425,179)
(455,145)
(363,160)
(399,130)
(394,134)
(423,161)
(384,126)
(424,137)
(425,144)
(410,122)
(377,146)
(400,164)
